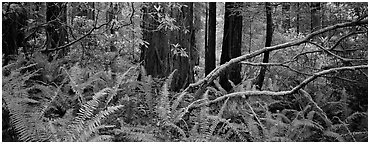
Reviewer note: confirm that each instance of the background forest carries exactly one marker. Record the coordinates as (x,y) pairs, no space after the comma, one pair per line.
(191,71)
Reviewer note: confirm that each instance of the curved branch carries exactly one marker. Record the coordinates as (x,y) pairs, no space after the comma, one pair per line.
(75,41)
(271,93)
(333,54)
(216,72)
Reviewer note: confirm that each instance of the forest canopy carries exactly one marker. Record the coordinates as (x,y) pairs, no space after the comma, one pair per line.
(185,71)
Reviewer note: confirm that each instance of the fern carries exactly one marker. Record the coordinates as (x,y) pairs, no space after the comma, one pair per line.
(87,122)
(305,122)
(355,116)
(137,133)
(23,112)
(334,135)
(94,124)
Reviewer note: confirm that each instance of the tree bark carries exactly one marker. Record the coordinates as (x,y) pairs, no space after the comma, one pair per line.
(14,19)
(202,84)
(286,15)
(210,51)
(159,58)
(297,17)
(231,47)
(261,76)
(315,17)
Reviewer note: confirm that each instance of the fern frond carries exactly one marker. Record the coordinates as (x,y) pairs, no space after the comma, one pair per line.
(237,128)
(222,109)
(355,115)
(305,122)
(281,117)
(46,107)
(334,135)
(83,131)
(85,113)
(164,106)
(137,133)
(170,124)
(176,103)
(74,78)
(279,139)
(101,138)
(204,113)
(252,126)
(148,92)
(23,117)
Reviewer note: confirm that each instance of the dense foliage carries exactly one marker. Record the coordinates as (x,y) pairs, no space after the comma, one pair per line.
(93,85)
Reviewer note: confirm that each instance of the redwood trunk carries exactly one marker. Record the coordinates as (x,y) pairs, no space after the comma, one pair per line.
(159,58)
(231,47)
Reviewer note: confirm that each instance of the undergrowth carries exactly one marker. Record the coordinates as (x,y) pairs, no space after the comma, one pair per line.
(83,106)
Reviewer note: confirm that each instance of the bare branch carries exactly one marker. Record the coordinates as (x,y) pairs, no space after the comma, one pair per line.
(216,72)
(333,54)
(202,102)
(75,41)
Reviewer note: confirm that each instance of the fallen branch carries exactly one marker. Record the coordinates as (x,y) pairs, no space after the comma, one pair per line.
(217,71)
(201,102)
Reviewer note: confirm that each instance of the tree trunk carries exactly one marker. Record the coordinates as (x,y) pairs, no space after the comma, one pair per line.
(231,47)
(14,19)
(269,31)
(161,57)
(315,17)
(210,51)
(286,15)
(56,15)
(297,17)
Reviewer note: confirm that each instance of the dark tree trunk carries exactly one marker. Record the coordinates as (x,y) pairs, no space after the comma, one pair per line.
(159,58)
(14,20)
(286,15)
(297,17)
(315,17)
(56,15)
(269,31)
(210,53)
(206,29)
(231,47)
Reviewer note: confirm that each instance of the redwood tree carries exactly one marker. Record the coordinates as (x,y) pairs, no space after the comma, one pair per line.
(210,53)
(315,15)
(169,48)
(14,20)
(231,46)
(269,31)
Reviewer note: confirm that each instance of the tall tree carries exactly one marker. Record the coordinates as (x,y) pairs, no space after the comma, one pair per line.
(56,16)
(231,46)
(169,45)
(269,31)
(14,20)
(297,17)
(315,16)
(286,15)
(210,53)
